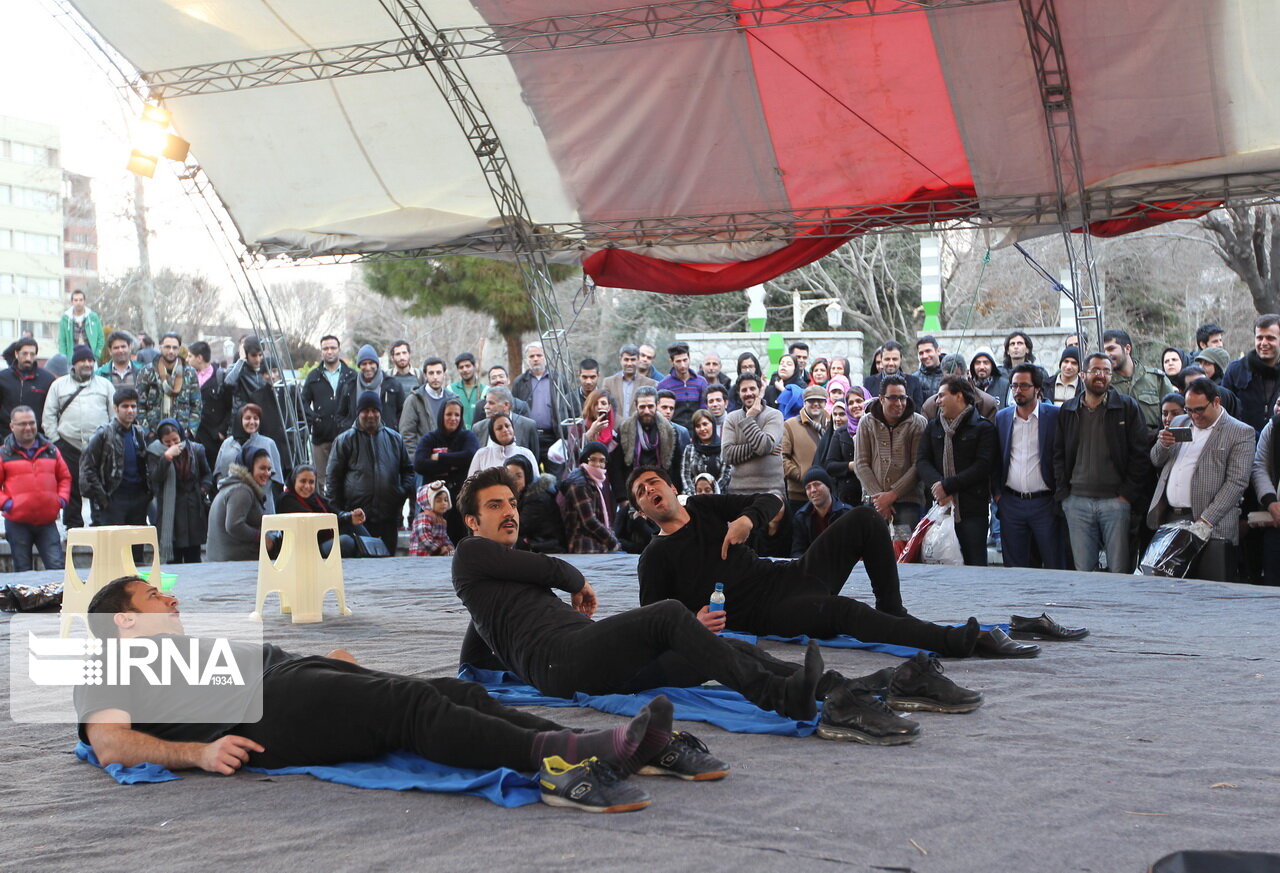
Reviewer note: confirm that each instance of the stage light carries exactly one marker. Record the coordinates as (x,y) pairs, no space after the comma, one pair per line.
(152,141)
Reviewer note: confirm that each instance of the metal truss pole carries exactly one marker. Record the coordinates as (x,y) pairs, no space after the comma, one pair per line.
(1045,39)
(436,56)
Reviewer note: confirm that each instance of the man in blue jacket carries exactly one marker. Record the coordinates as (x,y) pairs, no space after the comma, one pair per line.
(1022,482)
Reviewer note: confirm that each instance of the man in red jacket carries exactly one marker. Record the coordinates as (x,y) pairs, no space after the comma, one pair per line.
(35,485)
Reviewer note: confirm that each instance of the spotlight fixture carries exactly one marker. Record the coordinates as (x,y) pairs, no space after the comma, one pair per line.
(155,141)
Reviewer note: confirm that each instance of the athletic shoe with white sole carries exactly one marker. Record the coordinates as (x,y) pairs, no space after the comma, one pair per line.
(686,757)
(919,686)
(591,785)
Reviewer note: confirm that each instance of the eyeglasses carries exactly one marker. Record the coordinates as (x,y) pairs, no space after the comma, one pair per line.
(1023,386)
(894,398)
(1198,410)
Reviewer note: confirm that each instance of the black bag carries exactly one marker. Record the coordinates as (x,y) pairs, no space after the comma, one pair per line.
(25,598)
(371,547)
(1171,551)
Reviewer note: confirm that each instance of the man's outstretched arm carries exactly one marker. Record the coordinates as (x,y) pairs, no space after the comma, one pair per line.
(479,558)
(115,741)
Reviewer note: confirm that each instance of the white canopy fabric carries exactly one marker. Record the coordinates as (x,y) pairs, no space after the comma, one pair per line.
(839,114)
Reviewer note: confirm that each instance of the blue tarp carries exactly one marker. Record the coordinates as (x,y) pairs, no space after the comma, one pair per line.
(398,771)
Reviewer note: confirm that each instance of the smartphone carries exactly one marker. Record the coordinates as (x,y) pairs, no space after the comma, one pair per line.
(1181,434)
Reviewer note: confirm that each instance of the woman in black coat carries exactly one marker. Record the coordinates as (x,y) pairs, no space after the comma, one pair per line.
(445,454)
(300,495)
(541,527)
(835,455)
(182,482)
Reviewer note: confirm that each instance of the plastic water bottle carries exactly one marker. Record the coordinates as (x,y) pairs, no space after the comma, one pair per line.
(717,599)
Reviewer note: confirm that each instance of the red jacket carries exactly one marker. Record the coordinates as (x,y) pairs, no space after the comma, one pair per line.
(39,487)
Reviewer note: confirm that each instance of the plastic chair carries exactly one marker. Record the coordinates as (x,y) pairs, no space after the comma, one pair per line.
(299,574)
(112,547)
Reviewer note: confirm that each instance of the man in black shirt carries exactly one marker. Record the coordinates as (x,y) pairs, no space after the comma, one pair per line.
(519,623)
(328,710)
(702,543)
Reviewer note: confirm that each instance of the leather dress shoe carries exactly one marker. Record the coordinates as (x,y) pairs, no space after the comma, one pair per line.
(995,643)
(1043,628)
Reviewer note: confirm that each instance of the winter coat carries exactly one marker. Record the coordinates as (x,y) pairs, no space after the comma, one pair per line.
(802,535)
(370,471)
(451,465)
(974,449)
(185,407)
(80,417)
(1147,386)
(800,438)
(388,391)
(182,515)
(585,524)
(541,526)
(38,486)
(325,408)
(128,380)
(667,442)
(885,455)
(1255,385)
(23,389)
(102,464)
(215,413)
(1127,443)
(232,449)
(834,455)
(92,332)
(235,518)
(915,388)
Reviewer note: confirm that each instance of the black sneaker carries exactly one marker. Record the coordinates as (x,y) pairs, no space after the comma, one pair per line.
(686,757)
(919,686)
(591,785)
(860,717)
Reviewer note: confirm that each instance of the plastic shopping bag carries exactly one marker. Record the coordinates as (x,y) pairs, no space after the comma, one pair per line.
(915,545)
(1173,548)
(941,544)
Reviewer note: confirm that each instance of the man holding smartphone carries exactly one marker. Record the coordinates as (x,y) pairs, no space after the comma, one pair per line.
(1204,458)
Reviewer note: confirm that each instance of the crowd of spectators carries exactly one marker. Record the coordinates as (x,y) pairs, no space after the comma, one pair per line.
(1067,461)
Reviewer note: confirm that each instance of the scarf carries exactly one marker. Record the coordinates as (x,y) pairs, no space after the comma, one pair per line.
(949,428)
(596,475)
(171,379)
(643,443)
(315,503)
(373,384)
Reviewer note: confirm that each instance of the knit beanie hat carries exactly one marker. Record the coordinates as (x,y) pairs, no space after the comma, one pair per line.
(817,474)
(366,354)
(1072,352)
(82,353)
(368,400)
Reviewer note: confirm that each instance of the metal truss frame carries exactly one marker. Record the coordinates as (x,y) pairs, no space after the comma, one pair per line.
(1164,199)
(474,122)
(555,33)
(1045,40)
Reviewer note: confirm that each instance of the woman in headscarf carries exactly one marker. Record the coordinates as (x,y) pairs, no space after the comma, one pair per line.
(446,454)
(836,450)
(181,481)
(235,518)
(245,435)
(819,372)
(840,367)
(702,455)
(837,390)
(785,375)
(747,363)
(541,528)
(502,445)
(430,533)
(587,504)
(1172,360)
(301,495)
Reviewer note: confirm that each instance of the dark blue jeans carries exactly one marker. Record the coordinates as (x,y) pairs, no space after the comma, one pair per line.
(1024,522)
(44,537)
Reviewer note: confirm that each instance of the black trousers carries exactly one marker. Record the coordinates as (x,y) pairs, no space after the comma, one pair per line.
(126,506)
(858,535)
(324,711)
(658,645)
(72,515)
(807,603)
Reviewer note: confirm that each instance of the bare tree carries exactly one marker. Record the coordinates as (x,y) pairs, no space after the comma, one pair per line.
(1247,239)
(173,301)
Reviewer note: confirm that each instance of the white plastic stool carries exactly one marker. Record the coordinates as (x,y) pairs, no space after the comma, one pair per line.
(112,547)
(299,574)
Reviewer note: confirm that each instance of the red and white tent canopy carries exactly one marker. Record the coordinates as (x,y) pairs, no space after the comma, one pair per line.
(704,146)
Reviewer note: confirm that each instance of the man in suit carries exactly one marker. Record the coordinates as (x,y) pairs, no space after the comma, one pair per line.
(499,400)
(622,385)
(1203,479)
(1023,483)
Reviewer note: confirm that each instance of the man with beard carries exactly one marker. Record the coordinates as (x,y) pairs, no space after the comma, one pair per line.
(891,365)
(622,385)
(23,384)
(986,376)
(169,388)
(402,370)
(751,441)
(78,404)
(371,378)
(467,388)
(1023,482)
(1100,466)
(1143,384)
(1255,378)
(122,369)
(647,438)
(930,373)
(325,397)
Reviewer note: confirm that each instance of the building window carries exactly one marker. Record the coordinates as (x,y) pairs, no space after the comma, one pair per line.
(38,156)
(30,243)
(28,198)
